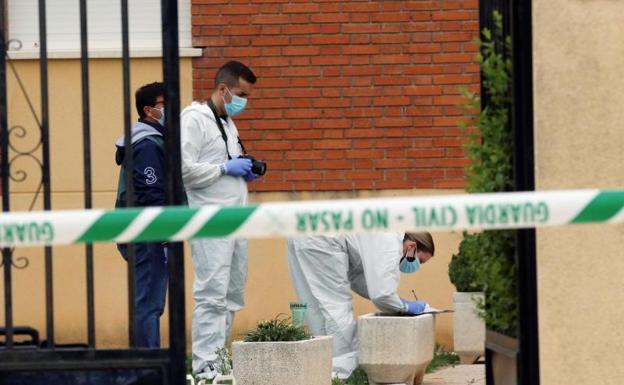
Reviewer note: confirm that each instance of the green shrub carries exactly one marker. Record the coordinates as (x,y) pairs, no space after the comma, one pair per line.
(278,329)
(490,147)
(486,260)
(497,273)
(463,265)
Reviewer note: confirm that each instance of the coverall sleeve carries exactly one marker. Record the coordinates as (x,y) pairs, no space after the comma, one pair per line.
(195,174)
(149,174)
(380,254)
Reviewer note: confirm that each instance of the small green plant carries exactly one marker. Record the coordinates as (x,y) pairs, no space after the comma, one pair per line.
(277,329)
(463,266)
(486,260)
(441,359)
(223,361)
(358,377)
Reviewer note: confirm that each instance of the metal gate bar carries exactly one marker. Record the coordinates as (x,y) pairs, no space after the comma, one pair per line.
(86,151)
(45,140)
(4,158)
(128,164)
(175,193)
(17,358)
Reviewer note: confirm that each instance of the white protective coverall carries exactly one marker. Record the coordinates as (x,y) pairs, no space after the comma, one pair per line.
(324,270)
(220,264)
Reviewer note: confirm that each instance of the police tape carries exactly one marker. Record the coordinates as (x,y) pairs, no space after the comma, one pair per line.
(280,219)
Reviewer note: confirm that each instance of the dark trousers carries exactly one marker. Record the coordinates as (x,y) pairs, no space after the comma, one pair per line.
(150,290)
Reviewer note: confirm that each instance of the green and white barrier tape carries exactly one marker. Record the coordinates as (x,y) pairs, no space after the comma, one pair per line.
(436,213)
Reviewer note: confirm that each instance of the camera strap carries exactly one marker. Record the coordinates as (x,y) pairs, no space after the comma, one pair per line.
(213,108)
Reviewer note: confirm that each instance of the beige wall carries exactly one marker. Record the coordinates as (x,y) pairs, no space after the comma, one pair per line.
(269,289)
(578,62)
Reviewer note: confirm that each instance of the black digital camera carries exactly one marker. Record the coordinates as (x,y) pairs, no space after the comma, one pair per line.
(258,167)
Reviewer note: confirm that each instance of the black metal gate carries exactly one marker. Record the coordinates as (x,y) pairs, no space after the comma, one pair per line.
(35,362)
(524,350)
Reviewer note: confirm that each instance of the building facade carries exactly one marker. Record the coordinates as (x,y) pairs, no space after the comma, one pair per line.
(354,99)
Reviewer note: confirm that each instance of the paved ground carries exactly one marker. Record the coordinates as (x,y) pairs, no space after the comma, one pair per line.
(457,375)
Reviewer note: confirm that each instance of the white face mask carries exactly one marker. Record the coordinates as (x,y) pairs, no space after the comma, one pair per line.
(161,120)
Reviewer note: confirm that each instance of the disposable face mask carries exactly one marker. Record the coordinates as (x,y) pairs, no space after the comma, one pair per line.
(161,120)
(236,106)
(409,265)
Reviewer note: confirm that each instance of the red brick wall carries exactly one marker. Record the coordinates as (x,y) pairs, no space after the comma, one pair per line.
(351,94)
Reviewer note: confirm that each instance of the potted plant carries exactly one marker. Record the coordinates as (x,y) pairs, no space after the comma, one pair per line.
(278,352)
(490,150)
(224,368)
(468,327)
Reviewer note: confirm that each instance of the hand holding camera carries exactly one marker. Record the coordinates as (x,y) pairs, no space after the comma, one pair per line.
(258,167)
(246,166)
(237,167)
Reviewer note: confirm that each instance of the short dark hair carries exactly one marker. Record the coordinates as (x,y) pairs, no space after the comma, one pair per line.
(231,71)
(147,95)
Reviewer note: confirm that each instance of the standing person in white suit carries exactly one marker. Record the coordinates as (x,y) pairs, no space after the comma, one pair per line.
(324,270)
(213,173)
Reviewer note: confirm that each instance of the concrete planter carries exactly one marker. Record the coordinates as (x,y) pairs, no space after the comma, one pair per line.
(503,365)
(396,350)
(468,328)
(270,363)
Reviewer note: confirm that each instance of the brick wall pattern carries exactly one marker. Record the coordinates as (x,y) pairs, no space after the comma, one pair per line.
(352,95)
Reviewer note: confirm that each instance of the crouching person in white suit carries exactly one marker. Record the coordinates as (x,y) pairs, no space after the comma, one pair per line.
(324,270)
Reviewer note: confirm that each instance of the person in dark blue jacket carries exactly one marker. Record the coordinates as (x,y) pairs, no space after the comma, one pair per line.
(149,190)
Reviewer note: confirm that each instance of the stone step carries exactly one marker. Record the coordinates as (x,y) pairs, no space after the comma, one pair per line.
(457,375)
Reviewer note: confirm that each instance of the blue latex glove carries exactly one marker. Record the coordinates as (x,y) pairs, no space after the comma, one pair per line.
(414,307)
(237,167)
(250,177)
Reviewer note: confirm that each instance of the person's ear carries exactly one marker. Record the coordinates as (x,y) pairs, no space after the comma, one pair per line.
(147,111)
(408,246)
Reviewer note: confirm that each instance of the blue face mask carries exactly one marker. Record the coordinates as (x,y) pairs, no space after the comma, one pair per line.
(236,106)
(409,265)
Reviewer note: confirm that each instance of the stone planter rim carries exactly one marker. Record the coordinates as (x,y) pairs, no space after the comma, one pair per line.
(315,338)
(501,343)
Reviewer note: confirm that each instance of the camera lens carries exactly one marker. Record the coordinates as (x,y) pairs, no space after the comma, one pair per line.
(258,167)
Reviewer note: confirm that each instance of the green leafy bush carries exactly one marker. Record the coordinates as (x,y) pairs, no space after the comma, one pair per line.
(464,264)
(490,147)
(485,261)
(278,329)
(497,273)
